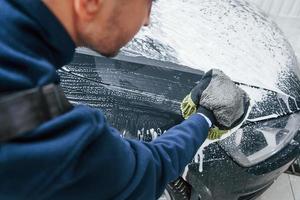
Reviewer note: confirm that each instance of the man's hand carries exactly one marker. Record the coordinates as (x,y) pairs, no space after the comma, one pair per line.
(218,98)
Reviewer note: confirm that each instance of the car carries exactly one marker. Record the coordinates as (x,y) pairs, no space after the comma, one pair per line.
(141,89)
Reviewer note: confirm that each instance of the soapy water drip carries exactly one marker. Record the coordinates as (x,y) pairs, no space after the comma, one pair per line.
(151,134)
(200,153)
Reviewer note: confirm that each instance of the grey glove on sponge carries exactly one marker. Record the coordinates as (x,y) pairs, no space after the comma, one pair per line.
(218,98)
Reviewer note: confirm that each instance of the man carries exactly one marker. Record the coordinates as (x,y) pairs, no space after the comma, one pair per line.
(52,150)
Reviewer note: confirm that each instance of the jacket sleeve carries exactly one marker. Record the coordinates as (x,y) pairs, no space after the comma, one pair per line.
(106,166)
(169,154)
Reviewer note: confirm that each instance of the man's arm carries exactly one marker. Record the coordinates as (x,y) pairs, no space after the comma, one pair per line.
(168,155)
(103,165)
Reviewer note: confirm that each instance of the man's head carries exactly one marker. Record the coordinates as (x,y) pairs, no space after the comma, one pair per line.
(103,25)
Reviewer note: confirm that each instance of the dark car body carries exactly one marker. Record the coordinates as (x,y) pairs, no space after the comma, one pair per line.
(140,91)
(140,95)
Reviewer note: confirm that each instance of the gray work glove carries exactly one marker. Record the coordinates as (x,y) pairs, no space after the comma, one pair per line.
(218,98)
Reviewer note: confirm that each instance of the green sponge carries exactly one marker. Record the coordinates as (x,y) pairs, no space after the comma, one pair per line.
(215,133)
(188,107)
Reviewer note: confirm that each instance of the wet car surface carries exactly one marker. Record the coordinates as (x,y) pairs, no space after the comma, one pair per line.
(140,91)
(143,112)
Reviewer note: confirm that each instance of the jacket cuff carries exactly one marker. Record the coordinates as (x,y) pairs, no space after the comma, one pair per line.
(199,118)
(207,119)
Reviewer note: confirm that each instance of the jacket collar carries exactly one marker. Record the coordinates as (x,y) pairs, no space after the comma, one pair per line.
(53,32)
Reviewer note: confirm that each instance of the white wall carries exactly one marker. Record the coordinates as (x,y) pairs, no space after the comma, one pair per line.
(286,13)
(281,8)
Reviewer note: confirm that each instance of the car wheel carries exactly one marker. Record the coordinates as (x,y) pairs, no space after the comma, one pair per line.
(177,190)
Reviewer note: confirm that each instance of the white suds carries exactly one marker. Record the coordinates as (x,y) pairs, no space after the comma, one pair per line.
(225,34)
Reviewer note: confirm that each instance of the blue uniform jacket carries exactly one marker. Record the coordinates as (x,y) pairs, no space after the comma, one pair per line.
(77,155)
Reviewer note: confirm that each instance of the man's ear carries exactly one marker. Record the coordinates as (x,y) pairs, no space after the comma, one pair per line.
(87,9)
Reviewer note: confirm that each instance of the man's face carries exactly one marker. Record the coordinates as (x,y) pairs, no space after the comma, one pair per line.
(108,25)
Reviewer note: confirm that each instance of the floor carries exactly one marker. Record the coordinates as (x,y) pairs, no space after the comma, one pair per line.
(287,187)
